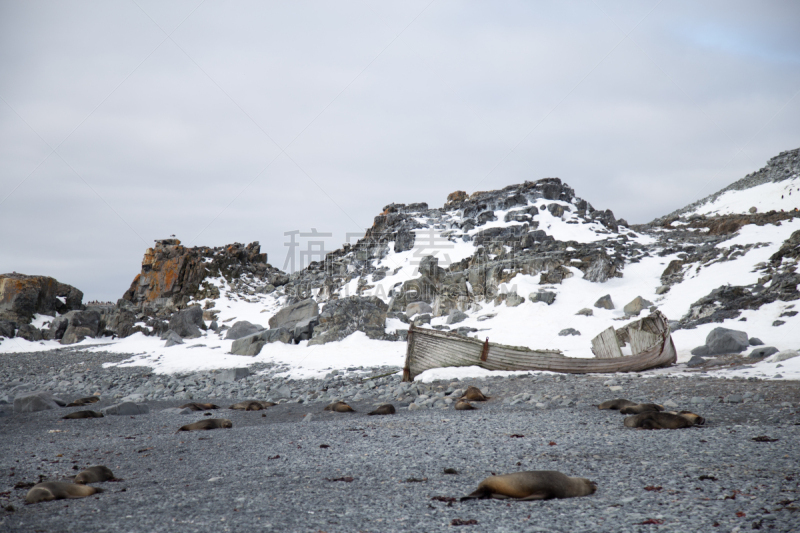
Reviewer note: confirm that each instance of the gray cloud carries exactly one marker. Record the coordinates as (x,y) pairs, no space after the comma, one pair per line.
(372,106)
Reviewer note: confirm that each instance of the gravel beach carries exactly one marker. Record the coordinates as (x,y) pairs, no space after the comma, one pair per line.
(281,470)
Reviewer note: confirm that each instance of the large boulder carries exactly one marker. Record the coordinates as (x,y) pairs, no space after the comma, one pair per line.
(783,356)
(252,344)
(172,338)
(456,316)
(188,322)
(345,316)
(723,341)
(762,352)
(126,409)
(58,326)
(242,328)
(600,269)
(29,402)
(23,296)
(543,296)
(289,316)
(120,321)
(29,333)
(81,324)
(7,328)
(418,308)
(636,306)
(604,302)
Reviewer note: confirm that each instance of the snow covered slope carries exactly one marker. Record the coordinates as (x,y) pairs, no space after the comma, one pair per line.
(525,266)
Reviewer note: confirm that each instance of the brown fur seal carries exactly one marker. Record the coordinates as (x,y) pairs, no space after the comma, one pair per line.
(59,490)
(208,423)
(82,414)
(533,485)
(463,405)
(474,394)
(619,403)
(657,420)
(199,406)
(251,405)
(385,409)
(339,407)
(641,408)
(84,401)
(94,474)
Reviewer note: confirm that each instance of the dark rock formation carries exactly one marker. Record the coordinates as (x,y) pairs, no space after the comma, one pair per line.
(342,317)
(172,275)
(242,328)
(722,341)
(291,315)
(252,344)
(188,322)
(80,324)
(23,296)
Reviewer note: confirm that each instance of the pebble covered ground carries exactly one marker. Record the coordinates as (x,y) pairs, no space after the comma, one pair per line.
(282,470)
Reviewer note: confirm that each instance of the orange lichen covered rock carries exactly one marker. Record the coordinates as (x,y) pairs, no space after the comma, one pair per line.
(174,274)
(22,296)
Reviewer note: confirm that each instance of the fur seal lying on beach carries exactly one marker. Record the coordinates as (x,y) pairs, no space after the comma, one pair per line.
(474,394)
(82,414)
(59,490)
(84,401)
(94,474)
(251,405)
(339,407)
(463,405)
(658,420)
(385,409)
(209,423)
(532,485)
(619,403)
(199,406)
(641,408)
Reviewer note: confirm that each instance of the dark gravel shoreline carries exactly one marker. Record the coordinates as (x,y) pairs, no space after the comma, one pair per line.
(270,473)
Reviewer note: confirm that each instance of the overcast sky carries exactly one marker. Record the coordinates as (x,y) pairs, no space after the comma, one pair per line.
(122,122)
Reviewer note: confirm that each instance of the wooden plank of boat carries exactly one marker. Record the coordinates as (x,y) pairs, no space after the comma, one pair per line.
(605,344)
(428,348)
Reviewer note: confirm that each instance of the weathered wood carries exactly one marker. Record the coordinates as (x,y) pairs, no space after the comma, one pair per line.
(429,348)
(605,345)
(641,339)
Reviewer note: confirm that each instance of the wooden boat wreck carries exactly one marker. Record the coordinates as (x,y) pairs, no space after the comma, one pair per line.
(650,339)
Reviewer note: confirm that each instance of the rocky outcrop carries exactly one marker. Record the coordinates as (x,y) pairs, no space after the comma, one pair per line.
(23,296)
(340,318)
(779,168)
(172,275)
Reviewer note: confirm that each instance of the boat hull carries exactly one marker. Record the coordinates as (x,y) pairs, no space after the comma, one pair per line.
(428,348)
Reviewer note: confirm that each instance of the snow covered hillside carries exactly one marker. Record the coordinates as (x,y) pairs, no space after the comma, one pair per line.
(529,265)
